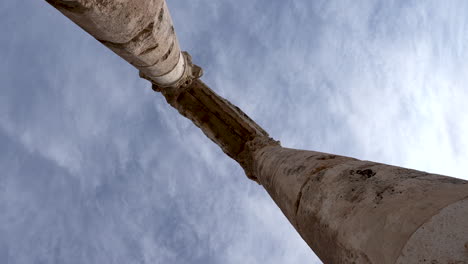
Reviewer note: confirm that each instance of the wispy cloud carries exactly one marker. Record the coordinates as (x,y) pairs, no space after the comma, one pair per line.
(99,169)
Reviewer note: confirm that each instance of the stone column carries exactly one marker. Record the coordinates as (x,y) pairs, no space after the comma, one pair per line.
(354,211)
(139,31)
(347,210)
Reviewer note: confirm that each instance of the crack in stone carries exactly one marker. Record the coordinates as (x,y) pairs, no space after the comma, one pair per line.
(299,197)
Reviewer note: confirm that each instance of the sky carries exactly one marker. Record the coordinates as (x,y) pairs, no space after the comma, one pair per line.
(97,168)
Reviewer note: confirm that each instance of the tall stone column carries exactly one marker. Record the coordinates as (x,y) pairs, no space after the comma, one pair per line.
(347,210)
(139,31)
(354,211)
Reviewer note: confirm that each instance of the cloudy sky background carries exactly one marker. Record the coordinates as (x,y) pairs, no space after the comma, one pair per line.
(97,168)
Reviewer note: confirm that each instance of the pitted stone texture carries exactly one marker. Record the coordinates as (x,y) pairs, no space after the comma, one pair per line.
(442,239)
(139,31)
(352,211)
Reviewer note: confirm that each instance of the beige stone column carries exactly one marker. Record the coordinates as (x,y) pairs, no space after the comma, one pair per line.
(347,210)
(354,211)
(139,31)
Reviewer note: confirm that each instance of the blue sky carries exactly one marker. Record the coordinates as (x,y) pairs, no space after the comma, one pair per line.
(97,168)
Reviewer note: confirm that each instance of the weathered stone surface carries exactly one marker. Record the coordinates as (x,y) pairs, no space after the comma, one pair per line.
(347,210)
(139,31)
(225,124)
(352,211)
(442,239)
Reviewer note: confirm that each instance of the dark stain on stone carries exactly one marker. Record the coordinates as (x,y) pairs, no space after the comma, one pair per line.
(161,15)
(363,174)
(148,50)
(319,169)
(355,195)
(327,157)
(293,171)
(71,6)
(145,33)
(366,173)
(317,173)
(379,195)
(298,169)
(319,176)
(168,52)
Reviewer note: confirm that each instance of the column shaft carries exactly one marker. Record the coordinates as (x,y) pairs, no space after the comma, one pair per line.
(354,211)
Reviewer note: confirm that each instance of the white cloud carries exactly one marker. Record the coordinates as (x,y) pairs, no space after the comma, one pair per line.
(100,169)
